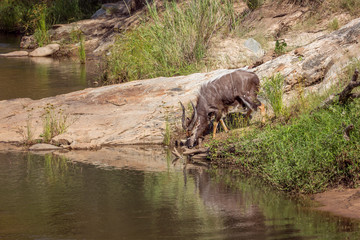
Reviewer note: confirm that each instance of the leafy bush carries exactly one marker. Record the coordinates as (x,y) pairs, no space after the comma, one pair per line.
(280,47)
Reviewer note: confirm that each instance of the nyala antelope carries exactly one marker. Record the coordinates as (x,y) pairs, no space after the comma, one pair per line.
(216,97)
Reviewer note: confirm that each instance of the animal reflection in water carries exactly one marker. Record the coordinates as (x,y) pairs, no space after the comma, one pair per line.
(216,98)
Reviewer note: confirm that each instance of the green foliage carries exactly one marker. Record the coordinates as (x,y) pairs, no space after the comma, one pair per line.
(63,11)
(82,53)
(171,44)
(55,123)
(272,91)
(307,155)
(22,15)
(280,47)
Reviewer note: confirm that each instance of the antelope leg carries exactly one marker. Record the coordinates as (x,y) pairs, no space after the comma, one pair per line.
(224,126)
(263,113)
(214,128)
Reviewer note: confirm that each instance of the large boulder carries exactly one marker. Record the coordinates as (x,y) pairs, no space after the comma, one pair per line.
(48,50)
(137,112)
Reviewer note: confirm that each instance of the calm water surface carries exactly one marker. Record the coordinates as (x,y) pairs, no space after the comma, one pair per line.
(48,197)
(39,77)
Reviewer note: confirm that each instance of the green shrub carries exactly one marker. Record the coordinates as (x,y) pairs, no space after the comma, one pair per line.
(172,43)
(280,47)
(41,34)
(272,91)
(64,11)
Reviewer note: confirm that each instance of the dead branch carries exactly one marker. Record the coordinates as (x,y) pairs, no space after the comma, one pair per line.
(346,93)
(347,132)
(196,151)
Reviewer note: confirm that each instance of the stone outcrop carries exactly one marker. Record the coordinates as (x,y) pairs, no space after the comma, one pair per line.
(136,112)
(316,65)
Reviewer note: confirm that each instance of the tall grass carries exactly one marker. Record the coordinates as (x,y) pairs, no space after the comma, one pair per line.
(272,90)
(54,123)
(169,43)
(41,34)
(82,54)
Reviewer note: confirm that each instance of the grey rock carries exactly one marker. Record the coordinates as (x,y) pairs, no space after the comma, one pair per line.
(99,13)
(254,46)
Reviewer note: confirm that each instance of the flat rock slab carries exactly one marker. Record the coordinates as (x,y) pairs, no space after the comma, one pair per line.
(129,113)
(44,147)
(48,50)
(15,54)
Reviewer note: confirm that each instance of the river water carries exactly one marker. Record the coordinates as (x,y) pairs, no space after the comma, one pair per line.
(133,193)
(37,78)
(51,197)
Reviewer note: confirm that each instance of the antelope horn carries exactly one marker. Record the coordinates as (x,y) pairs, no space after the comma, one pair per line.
(191,125)
(183,116)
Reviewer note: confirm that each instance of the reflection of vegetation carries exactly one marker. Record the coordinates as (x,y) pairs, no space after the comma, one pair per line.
(285,213)
(183,200)
(54,167)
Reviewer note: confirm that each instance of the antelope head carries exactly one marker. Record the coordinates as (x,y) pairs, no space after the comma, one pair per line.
(191,126)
